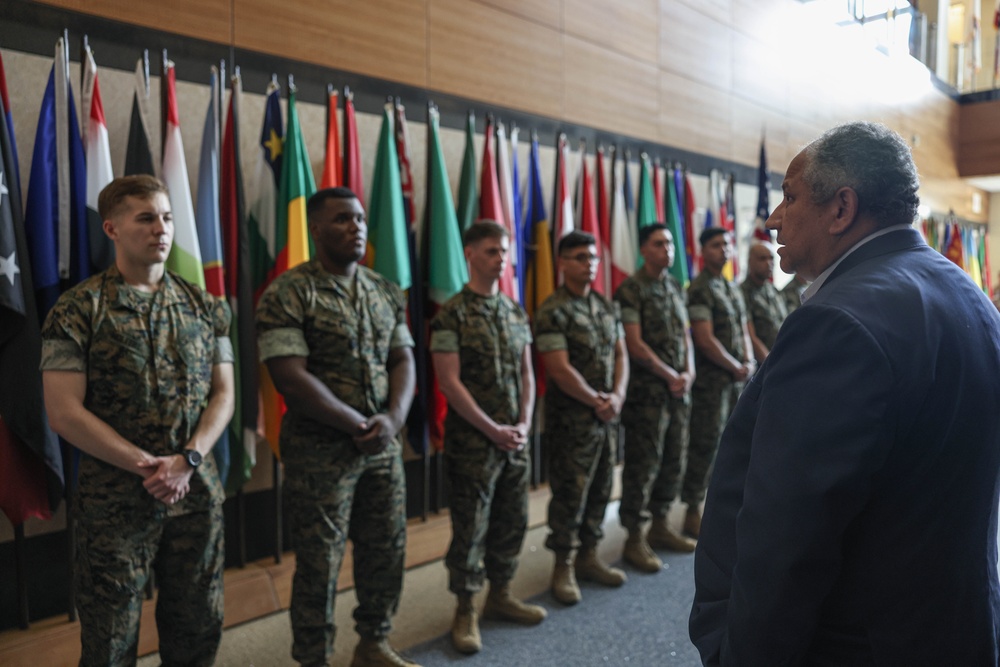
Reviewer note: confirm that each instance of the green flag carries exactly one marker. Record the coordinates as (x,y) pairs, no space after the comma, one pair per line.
(679,268)
(645,211)
(468,202)
(446,260)
(387,238)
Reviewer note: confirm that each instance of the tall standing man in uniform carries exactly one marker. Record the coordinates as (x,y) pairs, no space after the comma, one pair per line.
(335,340)
(658,407)
(481,345)
(852,517)
(583,349)
(137,369)
(724,359)
(766,307)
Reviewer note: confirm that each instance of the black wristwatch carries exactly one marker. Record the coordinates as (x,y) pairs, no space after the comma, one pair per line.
(192,456)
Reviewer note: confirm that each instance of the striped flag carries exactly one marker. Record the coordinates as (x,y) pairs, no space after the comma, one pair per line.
(588,217)
(185,254)
(55,212)
(675,222)
(509,210)
(540,280)
(97,149)
(239,288)
(603,219)
(138,151)
(623,245)
(207,215)
(490,206)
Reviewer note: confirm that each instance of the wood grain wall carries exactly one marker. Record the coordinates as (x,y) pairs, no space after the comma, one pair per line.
(701,75)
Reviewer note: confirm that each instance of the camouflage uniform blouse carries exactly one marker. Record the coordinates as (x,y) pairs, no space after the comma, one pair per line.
(588,329)
(657,305)
(148,360)
(489,333)
(720,302)
(767,310)
(306,312)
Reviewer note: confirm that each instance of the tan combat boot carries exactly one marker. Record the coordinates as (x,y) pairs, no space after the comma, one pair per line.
(662,536)
(638,553)
(465,628)
(501,604)
(376,652)
(692,522)
(564,586)
(590,568)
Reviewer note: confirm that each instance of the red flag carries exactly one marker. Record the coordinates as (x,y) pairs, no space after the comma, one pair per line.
(690,242)
(353,177)
(658,174)
(490,204)
(588,218)
(332,161)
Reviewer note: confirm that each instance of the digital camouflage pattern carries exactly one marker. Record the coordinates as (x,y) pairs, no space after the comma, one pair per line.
(792,294)
(148,360)
(767,310)
(714,393)
(656,423)
(581,447)
(489,487)
(306,312)
(334,492)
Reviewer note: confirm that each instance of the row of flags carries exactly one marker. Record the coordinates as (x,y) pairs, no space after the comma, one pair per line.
(235,238)
(965,245)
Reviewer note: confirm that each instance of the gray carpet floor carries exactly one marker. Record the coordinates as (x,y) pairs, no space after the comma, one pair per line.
(643,623)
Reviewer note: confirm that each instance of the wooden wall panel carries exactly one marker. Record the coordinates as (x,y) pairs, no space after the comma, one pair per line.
(546,13)
(194,18)
(755,74)
(489,55)
(630,28)
(609,90)
(720,10)
(702,75)
(381,38)
(979,139)
(694,116)
(696,46)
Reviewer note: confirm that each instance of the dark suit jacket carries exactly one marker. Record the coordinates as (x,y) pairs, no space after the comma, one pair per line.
(852,514)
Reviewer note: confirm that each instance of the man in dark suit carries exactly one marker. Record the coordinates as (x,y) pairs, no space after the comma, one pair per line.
(852,515)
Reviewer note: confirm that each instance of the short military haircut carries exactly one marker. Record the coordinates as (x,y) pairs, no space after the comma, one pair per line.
(484,229)
(318,200)
(141,186)
(576,239)
(873,161)
(710,233)
(647,231)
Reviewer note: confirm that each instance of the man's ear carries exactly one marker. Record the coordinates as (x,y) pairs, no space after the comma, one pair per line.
(845,205)
(109,229)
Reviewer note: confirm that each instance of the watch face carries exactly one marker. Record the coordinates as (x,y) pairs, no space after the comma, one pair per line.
(193,457)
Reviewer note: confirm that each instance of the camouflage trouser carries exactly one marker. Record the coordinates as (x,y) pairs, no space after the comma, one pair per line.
(489,513)
(656,435)
(349,496)
(115,555)
(712,403)
(582,454)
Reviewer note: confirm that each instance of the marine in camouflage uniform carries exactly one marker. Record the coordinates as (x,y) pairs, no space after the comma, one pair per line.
(340,335)
(792,293)
(765,307)
(148,361)
(480,341)
(718,318)
(658,408)
(584,326)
